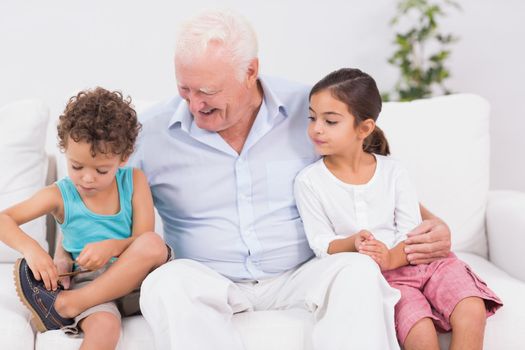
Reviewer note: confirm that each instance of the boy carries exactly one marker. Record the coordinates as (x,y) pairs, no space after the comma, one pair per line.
(105,211)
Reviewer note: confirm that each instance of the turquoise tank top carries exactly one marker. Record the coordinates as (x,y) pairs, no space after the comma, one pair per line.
(82,226)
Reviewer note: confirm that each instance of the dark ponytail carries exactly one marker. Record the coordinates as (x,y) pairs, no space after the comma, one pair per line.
(376,143)
(359,92)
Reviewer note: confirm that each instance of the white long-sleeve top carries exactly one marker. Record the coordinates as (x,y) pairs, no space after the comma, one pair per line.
(331,209)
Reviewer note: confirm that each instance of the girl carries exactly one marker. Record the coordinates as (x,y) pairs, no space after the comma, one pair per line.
(105,210)
(355,199)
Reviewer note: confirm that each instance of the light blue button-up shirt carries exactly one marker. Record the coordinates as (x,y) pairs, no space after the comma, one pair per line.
(232,212)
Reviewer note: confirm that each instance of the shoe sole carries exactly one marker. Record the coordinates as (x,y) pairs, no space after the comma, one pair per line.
(40,326)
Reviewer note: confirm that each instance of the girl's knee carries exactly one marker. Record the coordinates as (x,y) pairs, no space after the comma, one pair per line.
(469,312)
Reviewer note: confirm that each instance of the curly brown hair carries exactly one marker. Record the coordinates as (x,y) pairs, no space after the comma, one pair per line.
(102,118)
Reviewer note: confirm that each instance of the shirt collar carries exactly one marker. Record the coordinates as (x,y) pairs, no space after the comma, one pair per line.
(182,116)
(274,105)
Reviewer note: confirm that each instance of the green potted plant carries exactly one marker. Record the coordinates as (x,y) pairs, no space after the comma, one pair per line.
(421,49)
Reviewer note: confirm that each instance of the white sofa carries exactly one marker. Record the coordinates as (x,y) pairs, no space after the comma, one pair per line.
(443,141)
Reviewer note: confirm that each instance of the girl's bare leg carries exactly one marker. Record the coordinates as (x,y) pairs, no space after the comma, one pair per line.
(422,336)
(468,324)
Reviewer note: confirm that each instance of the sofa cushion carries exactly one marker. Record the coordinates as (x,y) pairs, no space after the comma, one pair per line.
(23,128)
(444,143)
(504,329)
(292,329)
(261,330)
(15,330)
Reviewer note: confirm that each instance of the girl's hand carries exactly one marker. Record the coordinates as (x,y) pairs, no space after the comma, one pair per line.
(378,251)
(96,255)
(42,267)
(64,265)
(361,237)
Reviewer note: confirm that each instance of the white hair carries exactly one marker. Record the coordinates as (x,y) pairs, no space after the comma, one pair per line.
(230,30)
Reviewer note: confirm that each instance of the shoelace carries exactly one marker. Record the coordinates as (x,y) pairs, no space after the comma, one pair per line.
(73,273)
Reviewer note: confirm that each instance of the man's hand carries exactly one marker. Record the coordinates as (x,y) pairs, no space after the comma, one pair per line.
(378,251)
(96,255)
(428,242)
(42,267)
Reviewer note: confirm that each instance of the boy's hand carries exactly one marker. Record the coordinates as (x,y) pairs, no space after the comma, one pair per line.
(42,267)
(361,237)
(64,265)
(378,251)
(96,255)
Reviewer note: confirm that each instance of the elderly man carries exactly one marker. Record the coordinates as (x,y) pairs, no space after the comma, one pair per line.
(221,159)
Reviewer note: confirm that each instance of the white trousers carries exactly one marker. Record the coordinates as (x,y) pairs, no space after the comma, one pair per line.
(190,306)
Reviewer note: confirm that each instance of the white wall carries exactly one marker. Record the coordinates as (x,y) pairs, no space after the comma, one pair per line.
(51,49)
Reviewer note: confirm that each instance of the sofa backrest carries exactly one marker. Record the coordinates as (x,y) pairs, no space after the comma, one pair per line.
(24,162)
(444,142)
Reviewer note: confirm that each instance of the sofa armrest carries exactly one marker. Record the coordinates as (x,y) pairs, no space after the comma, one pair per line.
(506,231)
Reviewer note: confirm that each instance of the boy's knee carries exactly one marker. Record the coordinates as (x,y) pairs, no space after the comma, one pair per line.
(102,324)
(151,247)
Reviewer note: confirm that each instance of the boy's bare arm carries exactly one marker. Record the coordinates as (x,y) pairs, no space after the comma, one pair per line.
(97,254)
(142,203)
(63,261)
(46,201)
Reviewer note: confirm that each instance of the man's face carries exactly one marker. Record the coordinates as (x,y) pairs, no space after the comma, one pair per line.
(216,98)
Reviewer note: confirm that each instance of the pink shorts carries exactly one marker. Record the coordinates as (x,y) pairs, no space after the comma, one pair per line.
(433,290)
